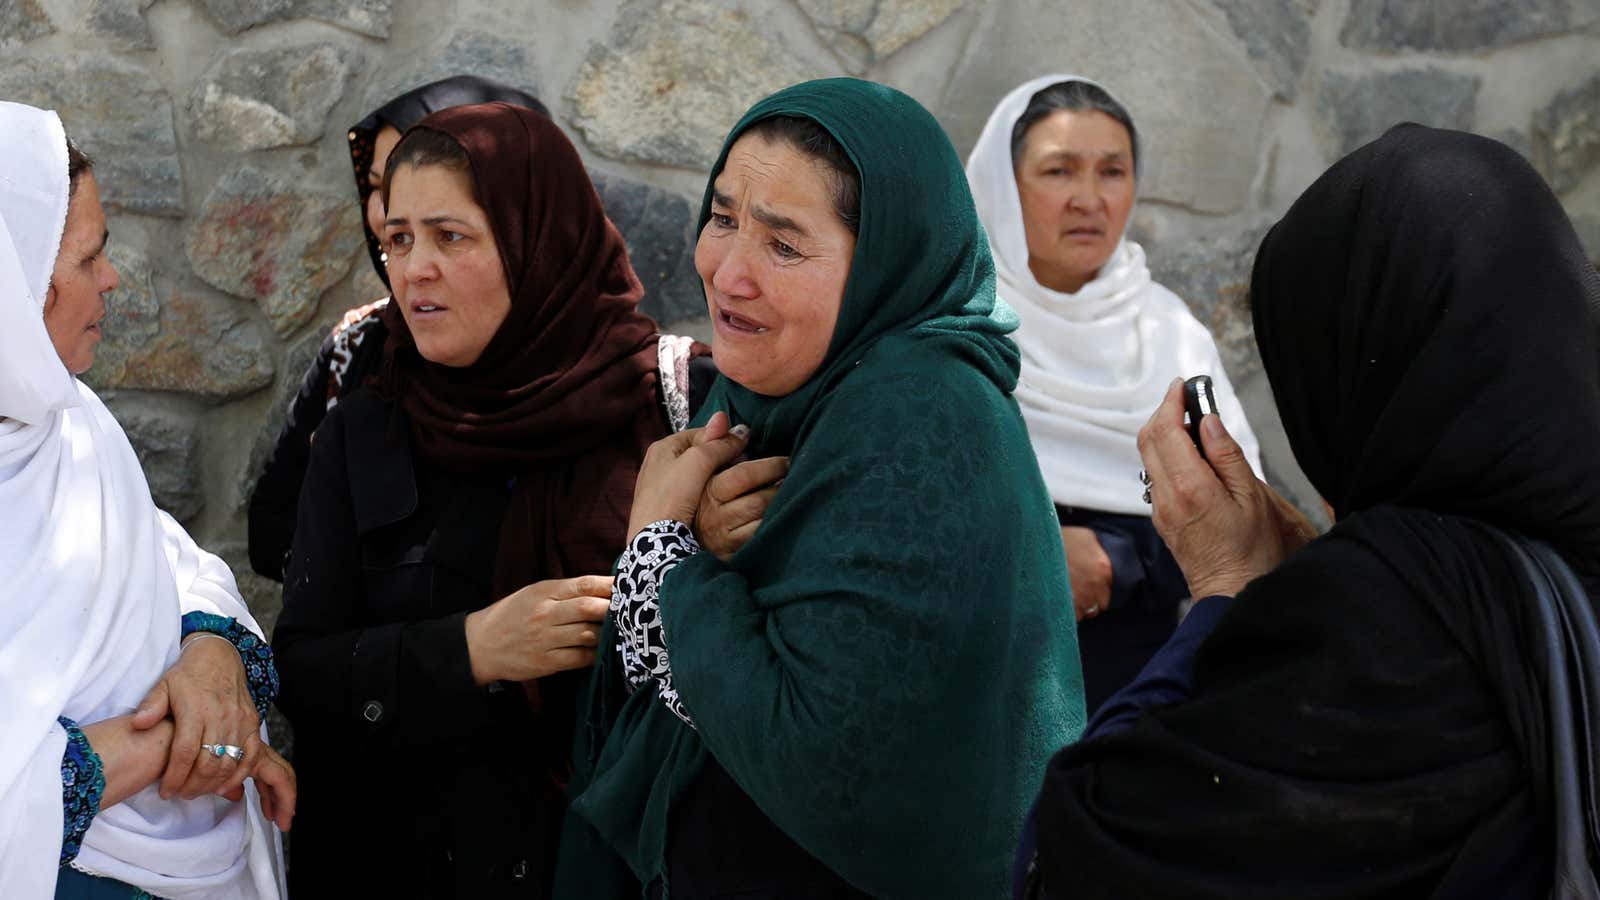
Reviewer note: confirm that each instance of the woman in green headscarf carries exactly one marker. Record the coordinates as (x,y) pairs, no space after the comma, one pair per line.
(859,700)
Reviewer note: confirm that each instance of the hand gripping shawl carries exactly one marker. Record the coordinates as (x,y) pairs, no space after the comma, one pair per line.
(1387,713)
(885,665)
(96,583)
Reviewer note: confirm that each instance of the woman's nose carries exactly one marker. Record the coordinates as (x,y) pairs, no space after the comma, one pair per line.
(418,265)
(733,277)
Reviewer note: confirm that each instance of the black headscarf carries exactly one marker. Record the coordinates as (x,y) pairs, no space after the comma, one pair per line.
(1371,719)
(407,110)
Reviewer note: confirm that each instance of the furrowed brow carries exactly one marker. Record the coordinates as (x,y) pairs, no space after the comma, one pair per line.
(777,222)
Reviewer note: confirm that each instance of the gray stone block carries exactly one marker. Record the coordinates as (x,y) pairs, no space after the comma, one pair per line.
(862,32)
(1212,275)
(368,17)
(1566,135)
(465,52)
(1460,25)
(659,227)
(1195,97)
(183,342)
(22,20)
(122,21)
(1360,106)
(1277,35)
(168,447)
(261,238)
(255,99)
(118,114)
(675,75)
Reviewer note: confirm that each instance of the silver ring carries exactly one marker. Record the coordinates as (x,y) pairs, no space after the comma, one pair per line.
(220,750)
(1144,477)
(1092,611)
(1147,495)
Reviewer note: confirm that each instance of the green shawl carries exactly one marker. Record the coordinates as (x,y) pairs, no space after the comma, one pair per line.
(886,666)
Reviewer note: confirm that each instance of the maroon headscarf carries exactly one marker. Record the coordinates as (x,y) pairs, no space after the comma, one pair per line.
(564,398)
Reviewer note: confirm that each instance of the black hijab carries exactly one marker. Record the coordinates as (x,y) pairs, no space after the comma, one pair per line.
(407,110)
(1373,718)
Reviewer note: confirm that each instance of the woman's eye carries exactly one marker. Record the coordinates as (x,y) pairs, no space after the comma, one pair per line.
(721,221)
(399,242)
(1115,173)
(450,237)
(784,250)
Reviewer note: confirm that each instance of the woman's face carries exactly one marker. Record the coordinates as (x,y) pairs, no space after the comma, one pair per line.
(444,264)
(75,303)
(1077,187)
(774,258)
(382,145)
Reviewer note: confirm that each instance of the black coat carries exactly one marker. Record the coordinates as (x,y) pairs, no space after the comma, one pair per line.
(414,781)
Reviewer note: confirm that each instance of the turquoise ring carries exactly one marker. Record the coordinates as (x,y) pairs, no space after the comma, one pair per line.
(220,750)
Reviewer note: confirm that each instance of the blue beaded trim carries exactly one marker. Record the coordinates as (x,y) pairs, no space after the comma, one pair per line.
(254,652)
(83,783)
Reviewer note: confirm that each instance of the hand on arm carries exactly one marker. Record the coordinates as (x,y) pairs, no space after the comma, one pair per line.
(733,502)
(131,759)
(544,628)
(1224,525)
(207,696)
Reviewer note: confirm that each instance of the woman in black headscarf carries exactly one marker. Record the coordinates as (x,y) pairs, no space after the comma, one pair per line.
(354,350)
(1394,709)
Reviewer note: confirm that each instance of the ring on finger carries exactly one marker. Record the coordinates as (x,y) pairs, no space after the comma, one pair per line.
(1147,495)
(231,751)
(1144,477)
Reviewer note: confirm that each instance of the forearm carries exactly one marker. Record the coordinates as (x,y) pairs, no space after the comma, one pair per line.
(130,760)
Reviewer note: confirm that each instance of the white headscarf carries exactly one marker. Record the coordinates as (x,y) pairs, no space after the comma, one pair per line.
(96,581)
(1095,364)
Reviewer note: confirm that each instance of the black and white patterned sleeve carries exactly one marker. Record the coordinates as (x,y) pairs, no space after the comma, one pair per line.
(641,643)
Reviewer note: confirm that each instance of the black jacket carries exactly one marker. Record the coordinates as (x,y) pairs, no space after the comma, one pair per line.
(414,781)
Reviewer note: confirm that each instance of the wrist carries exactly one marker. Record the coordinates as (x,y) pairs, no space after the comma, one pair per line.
(477,655)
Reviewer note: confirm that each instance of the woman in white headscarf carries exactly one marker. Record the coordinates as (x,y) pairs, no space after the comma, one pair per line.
(129,735)
(1054,175)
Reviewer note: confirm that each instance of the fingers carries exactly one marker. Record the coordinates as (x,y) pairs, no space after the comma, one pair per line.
(278,786)
(746,509)
(565,659)
(235,777)
(582,586)
(580,635)
(185,753)
(579,610)
(153,708)
(1226,456)
(741,479)
(1178,473)
(715,427)
(708,454)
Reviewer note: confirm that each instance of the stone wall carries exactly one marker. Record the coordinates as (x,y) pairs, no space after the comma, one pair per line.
(219,126)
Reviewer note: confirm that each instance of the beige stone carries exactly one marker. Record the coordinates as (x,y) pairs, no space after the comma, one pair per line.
(674,77)
(863,32)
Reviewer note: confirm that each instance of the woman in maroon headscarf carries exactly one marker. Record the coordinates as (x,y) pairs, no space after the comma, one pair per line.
(459,516)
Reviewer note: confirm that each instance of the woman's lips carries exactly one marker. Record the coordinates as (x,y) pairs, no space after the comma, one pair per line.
(738,323)
(426,308)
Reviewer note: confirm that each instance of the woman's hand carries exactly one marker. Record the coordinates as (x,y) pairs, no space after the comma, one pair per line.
(275,782)
(208,698)
(131,759)
(1089,569)
(544,628)
(1224,525)
(676,469)
(733,503)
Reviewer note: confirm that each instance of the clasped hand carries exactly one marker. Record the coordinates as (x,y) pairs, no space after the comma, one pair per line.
(694,477)
(1224,525)
(207,697)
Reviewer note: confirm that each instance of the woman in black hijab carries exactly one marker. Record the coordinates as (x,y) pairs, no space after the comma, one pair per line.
(1394,709)
(354,350)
